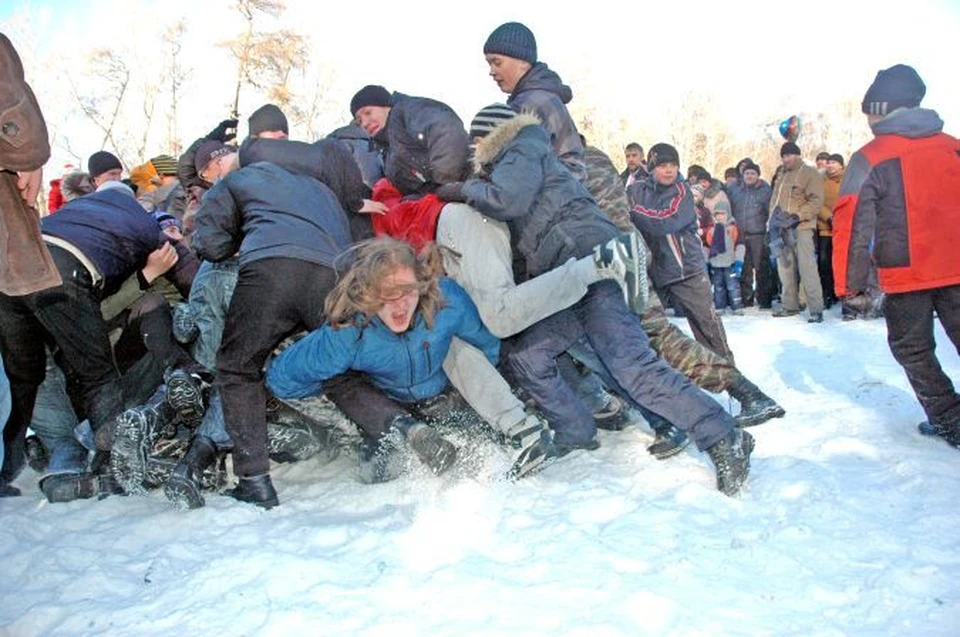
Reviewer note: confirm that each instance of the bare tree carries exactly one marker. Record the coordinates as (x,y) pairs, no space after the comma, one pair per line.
(266,59)
(102,104)
(175,75)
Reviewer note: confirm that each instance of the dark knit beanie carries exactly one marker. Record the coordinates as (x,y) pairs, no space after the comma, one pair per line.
(210,150)
(369,95)
(751,166)
(488,118)
(513,40)
(267,117)
(893,88)
(102,161)
(662,154)
(164,165)
(837,157)
(789,148)
(823,155)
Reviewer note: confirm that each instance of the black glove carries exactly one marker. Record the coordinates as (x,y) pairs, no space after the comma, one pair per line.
(225,131)
(452,192)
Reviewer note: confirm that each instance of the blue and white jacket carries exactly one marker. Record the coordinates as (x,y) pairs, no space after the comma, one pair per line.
(408,367)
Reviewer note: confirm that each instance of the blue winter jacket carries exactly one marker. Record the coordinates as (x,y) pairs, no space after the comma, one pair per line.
(407,366)
(111,229)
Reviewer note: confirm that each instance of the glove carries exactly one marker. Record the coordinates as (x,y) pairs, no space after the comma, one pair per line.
(737,268)
(452,192)
(225,131)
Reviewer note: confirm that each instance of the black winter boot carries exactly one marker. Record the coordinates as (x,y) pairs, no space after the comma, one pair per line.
(255,490)
(731,457)
(136,431)
(434,450)
(67,487)
(755,407)
(186,395)
(613,416)
(183,486)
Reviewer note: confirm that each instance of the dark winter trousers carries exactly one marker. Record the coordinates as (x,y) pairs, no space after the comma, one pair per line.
(756,264)
(695,296)
(69,317)
(910,334)
(148,326)
(274,297)
(726,289)
(825,266)
(373,411)
(615,334)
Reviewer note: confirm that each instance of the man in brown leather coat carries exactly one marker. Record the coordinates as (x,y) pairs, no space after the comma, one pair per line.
(26,266)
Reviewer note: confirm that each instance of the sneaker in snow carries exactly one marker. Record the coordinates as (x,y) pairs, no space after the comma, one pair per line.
(185,396)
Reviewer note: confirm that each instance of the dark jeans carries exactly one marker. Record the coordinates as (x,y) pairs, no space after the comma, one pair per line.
(825,267)
(615,334)
(910,334)
(695,296)
(726,289)
(756,264)
(274,298)
(69,317)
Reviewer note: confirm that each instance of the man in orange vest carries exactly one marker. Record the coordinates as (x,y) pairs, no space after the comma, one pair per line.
(899,206)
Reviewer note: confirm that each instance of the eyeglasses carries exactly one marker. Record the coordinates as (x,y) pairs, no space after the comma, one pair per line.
(395,293)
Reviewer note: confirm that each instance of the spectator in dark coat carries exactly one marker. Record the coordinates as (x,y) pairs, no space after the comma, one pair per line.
(664,212)
(750,203)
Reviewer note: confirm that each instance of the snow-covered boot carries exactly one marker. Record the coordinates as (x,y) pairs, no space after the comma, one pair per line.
(183,486)
(731,457)
(755,406)
(293,435)
(136,431)
(186,396)
(434,450)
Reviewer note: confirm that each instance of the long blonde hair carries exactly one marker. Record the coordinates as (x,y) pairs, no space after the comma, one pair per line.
(359,291)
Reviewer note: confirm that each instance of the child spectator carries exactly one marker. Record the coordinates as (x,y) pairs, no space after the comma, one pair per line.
(726,260)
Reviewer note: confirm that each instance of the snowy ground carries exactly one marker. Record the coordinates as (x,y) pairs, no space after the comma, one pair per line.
(849,526)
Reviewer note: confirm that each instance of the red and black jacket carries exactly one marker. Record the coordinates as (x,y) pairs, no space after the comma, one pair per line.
(899,204)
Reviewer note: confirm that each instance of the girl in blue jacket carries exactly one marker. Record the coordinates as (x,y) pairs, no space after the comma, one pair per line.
(378,356)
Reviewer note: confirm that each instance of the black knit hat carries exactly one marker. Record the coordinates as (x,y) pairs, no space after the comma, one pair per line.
(662,154)
(823,155)
(837,157)
(369,95)
(893,88)
(488,118)
(751,166)
(789,148)
(514,40)
(267,117)
(102,161)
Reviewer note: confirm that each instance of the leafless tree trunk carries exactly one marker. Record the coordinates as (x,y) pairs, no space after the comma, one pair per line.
(176,75)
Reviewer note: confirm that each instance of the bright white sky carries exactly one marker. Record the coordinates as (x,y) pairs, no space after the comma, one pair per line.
(628,60)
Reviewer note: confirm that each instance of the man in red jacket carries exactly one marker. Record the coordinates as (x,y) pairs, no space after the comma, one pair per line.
(898,207)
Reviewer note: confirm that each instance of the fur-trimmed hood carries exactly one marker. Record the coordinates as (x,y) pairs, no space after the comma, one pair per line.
(491,145)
